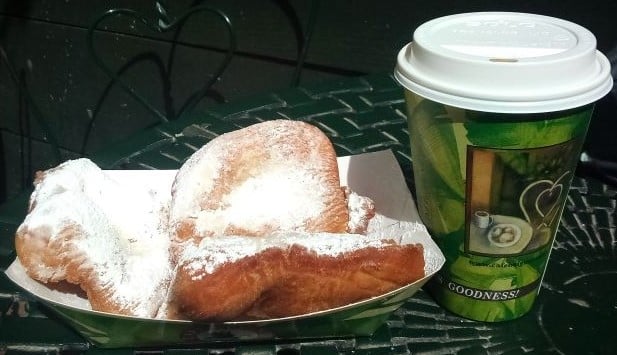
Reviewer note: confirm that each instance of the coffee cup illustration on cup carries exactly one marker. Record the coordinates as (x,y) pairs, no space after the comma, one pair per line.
(482,219)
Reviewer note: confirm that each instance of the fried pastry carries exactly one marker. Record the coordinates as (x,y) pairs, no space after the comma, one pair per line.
(84,228)
(246,278)
(273,176)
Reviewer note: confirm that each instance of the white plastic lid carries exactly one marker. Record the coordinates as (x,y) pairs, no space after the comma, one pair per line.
(504,62)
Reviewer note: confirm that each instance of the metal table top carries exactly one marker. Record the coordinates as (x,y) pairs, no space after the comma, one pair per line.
(575,312)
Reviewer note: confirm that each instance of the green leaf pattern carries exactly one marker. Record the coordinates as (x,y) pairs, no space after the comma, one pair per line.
(440,135)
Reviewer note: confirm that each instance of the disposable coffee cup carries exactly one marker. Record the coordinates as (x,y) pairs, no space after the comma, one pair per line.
(498,106)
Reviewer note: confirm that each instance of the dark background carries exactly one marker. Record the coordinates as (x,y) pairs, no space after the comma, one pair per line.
(56,103)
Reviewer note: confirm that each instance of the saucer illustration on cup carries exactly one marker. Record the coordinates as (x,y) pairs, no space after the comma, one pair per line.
(504,234)
(499,232)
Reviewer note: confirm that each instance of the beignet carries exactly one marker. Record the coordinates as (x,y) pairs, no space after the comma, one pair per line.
(273,176)
(245,278)
(84,228)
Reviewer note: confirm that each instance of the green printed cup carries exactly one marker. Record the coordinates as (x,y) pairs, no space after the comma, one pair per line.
(498,107)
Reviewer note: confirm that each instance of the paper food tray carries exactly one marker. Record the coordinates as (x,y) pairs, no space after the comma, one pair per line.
(375,175)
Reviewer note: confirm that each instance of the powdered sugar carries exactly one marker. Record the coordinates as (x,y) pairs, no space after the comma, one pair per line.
(121,230)
(194,179)
(285,188)
(210,253)
(358,207)
(275,197)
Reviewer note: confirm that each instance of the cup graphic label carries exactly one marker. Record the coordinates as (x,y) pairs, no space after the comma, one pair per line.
(515,197)
(490,188)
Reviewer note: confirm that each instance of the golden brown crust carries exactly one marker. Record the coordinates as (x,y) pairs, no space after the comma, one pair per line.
(287,147)
(281,282)
(58,259)
(45,259)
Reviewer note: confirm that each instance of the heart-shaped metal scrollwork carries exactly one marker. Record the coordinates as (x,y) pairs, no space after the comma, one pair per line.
(163,24)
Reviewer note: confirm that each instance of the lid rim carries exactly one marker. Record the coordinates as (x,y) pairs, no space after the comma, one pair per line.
(506,106)
(603,64)
(574,76)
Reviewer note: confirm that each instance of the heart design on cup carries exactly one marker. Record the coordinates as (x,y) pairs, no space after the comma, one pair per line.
(539,200)
(163,25)
(547,199)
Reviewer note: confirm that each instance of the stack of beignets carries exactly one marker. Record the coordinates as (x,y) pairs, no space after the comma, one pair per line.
(258,227)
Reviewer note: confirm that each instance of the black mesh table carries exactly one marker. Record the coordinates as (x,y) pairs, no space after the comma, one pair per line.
(575,313)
